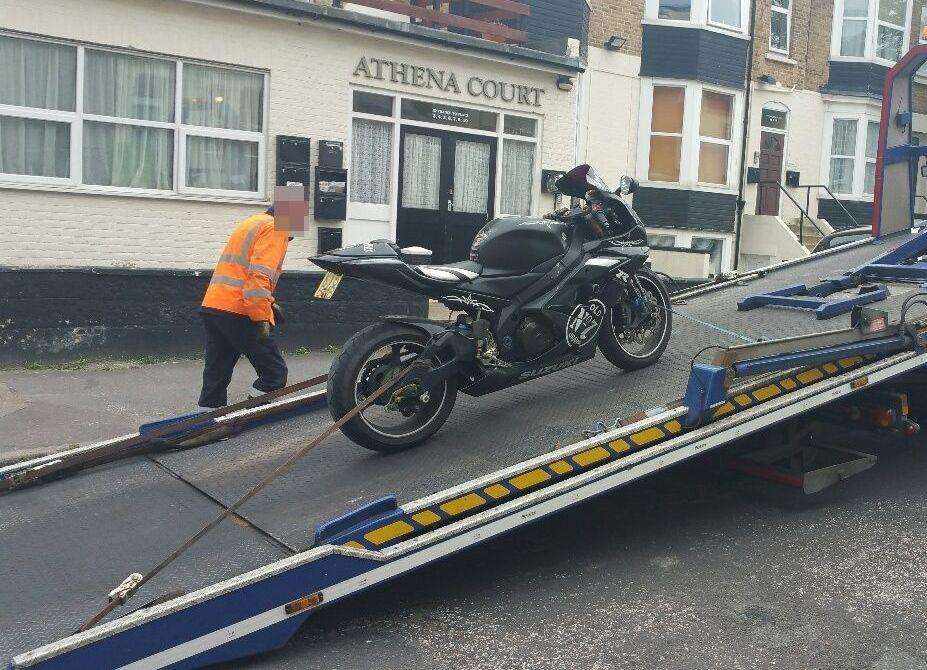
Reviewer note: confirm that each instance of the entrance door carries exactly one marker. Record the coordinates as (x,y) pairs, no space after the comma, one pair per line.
(446,190)
(772,147)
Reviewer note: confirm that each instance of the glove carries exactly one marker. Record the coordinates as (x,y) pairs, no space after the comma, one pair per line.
(278,313)
(263,330)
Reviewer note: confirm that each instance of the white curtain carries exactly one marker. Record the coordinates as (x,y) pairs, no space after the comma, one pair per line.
(421,171)
(843,145)
(517,177)
(872,152)
(471,177)
(128,86)
(37,74)
(371,161)
(222,98)
(34,147)
(130,156)
(213,162)
(41,75)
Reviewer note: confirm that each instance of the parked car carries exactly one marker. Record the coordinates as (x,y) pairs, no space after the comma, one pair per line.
(841,237)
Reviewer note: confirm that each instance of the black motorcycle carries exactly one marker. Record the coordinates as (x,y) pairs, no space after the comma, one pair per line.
(536,296)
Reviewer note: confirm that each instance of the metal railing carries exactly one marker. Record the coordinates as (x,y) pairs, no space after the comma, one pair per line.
(804,210)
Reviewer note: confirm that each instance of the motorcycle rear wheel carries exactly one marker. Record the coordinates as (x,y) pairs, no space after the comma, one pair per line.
(617,344)
(365,363)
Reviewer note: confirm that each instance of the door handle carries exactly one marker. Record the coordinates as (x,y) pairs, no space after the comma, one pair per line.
(450,204)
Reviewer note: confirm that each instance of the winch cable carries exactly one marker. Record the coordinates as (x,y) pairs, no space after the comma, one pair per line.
(132,584)
(713,326)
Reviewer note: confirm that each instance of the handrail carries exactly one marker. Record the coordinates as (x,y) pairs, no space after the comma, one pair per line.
(804,210)
(832,197)
(804,213)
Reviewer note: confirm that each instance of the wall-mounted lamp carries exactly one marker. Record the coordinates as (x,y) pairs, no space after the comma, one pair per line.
(615,43)
(565,83)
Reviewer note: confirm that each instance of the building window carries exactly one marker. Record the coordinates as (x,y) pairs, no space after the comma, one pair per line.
(853,150)
(714,247)
(872,151)
(517,177)
(371,160)
(726,15)
(132,128)
(675,10)
(876,29)
(715,137)
(661,241)
(725,12)
(666,133)
(689,136)
(518,161)
(38,88)
(780,28)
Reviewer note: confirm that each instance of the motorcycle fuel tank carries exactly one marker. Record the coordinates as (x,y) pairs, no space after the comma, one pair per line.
(518,243)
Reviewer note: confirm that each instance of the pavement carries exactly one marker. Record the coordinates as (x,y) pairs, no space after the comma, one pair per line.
(42,411)
(680,570)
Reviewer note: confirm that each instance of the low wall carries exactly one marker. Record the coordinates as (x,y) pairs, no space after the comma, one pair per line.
(95,313)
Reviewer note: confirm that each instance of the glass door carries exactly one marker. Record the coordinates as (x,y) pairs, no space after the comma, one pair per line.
(446,190)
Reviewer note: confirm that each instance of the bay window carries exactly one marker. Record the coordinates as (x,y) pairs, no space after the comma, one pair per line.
(852,156)
(871,29)
(120,126)
(666,133)
(687,134)
(725,12)
(715,137)
(725,15)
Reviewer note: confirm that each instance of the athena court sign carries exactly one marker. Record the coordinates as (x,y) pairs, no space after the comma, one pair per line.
(447,82)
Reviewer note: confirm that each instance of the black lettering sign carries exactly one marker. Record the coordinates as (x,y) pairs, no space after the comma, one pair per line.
(426,77)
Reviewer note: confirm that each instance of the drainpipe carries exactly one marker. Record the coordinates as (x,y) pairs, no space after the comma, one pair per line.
(741,203)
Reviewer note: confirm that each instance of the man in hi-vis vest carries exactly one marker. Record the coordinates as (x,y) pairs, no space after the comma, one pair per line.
(238,310)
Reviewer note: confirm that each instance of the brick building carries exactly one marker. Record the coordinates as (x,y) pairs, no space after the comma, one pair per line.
(666,91)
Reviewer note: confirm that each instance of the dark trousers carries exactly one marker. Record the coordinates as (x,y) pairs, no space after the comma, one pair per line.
(228,337)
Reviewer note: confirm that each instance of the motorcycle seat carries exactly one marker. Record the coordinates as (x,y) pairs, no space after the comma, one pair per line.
(446,273)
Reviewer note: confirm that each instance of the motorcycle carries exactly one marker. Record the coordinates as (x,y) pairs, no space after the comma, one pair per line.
(538,295)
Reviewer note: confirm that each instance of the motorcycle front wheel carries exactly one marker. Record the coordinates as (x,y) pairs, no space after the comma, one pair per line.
(635,336)
(400,418)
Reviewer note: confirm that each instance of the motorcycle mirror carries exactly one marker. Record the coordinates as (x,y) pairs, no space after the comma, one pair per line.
(628,185)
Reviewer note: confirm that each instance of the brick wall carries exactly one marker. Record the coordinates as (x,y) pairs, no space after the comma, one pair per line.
(617,17)
(810,44)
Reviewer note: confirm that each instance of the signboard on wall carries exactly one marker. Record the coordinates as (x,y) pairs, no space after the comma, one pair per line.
(447,81)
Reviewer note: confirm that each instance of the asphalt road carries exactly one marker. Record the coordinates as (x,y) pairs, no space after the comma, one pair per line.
(677,571)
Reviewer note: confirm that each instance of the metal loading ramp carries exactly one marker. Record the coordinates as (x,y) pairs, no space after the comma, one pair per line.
(70,541)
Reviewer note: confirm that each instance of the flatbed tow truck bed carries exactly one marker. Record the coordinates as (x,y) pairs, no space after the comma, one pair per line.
(67,543)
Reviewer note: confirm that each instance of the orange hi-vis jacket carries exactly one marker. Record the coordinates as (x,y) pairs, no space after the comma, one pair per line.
(248,269)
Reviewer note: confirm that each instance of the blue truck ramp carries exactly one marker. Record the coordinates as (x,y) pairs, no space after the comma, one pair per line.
(252,583)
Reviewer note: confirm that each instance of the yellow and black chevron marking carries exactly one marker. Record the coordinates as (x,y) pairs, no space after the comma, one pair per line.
(490,495)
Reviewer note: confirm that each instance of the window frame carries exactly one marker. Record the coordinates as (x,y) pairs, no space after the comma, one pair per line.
(691,135)
(775,9)
(180,131)
(872,27)
(700,17)
(388,212)
(862,118)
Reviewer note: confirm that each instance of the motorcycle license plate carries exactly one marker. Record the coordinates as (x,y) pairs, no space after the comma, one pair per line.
(328,286)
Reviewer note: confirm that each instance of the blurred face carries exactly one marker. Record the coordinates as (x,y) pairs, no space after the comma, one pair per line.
(291,211)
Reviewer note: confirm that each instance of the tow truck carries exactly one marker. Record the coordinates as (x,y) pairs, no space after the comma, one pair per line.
(794,373)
